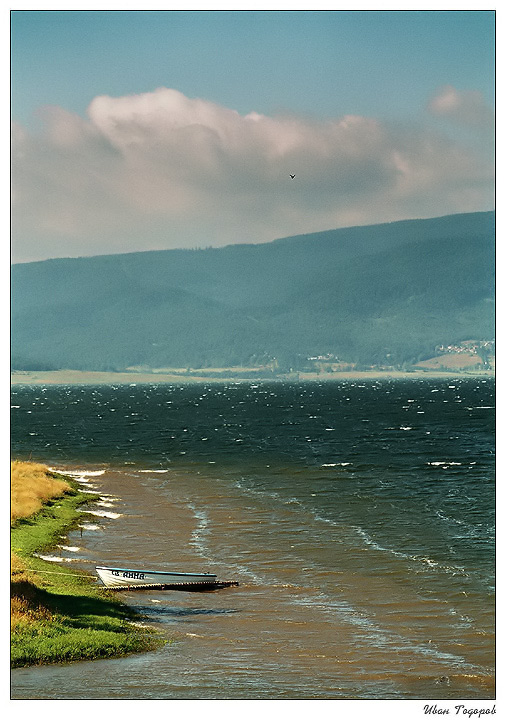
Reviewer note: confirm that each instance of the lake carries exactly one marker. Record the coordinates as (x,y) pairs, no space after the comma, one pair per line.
(357,516)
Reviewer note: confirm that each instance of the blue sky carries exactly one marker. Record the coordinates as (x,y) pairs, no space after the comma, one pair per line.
(420,86)
(323,63)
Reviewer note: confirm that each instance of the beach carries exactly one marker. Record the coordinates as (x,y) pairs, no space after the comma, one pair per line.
(89,377)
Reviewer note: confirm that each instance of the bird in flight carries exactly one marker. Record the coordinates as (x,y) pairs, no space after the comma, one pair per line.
(292,176)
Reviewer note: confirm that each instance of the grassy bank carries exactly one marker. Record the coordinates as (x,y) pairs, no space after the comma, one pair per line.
(58,614)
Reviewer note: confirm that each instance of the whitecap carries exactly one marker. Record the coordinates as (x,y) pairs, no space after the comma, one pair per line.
(427,560)
(103,513)
(69,548)
(78,475)
(342,464)
(89,526)
(153,471)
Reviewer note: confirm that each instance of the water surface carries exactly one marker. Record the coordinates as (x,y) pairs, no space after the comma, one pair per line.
(357,517)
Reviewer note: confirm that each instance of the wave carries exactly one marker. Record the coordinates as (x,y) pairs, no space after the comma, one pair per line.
(152,471)
(424,559)
(382,637)
(78,473)
(89,526)
(103,513)
(198,534)
(105,503)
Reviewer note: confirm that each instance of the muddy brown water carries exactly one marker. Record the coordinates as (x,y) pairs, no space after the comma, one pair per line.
(300,625)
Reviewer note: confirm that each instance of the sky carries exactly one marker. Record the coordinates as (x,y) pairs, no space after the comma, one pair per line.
(142,130)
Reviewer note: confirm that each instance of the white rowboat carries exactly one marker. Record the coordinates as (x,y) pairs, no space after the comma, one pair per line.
(127,578)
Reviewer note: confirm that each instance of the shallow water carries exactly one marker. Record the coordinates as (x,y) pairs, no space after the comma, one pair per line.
(358,519)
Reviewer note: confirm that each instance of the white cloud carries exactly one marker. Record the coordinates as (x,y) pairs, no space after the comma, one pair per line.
(466,107)
(161,170)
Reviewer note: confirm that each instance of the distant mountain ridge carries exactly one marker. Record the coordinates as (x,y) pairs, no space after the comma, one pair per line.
(386,293)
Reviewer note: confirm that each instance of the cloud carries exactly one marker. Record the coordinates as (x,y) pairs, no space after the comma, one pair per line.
(465,107)
(161,170)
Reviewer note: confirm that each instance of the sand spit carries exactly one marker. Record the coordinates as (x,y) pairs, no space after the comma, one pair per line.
(78,377)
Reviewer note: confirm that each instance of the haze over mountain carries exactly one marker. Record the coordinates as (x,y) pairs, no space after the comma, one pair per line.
(385,293)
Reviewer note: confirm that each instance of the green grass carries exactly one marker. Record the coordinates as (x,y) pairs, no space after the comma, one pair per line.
(43,529)
(58,614)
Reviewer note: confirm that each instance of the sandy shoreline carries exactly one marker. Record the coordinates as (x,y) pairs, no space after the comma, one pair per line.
(79,377)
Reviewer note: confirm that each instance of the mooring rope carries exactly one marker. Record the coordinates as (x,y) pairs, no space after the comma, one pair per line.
(53,572)
(173,586)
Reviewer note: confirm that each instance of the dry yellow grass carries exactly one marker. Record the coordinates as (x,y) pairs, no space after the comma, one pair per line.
(452,361)
(24,607)
(31,486)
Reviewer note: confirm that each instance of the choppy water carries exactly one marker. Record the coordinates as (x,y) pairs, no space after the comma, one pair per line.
(357,517)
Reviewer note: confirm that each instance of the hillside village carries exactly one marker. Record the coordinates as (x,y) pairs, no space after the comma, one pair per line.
(467,356)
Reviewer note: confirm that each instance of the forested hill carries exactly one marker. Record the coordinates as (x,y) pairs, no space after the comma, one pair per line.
(383,293)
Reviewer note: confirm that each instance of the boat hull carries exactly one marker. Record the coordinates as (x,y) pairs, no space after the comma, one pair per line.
(123,577)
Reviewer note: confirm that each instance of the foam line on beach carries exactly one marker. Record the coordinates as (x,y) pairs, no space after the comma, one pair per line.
(53,558)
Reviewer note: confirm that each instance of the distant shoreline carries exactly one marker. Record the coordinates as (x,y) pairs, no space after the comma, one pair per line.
(81,377)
